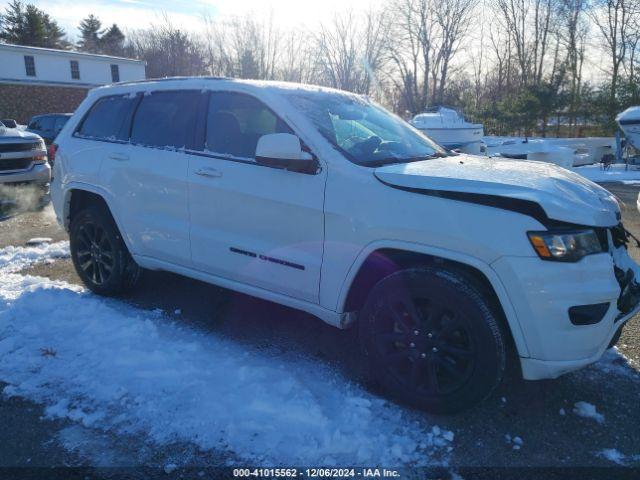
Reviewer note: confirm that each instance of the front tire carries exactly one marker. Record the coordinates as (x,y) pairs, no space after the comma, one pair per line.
(99,254)
(432,340)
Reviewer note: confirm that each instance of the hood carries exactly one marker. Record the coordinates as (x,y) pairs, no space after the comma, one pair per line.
(562,195)
(16,134)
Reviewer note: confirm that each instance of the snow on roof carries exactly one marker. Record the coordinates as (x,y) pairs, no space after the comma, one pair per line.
(198,82)
(55,51)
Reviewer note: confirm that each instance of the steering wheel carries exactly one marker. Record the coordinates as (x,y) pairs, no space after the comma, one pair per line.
(368,146)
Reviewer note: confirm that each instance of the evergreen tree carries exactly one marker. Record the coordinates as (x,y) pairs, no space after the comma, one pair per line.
(90,31)
(112,42)
(28,25)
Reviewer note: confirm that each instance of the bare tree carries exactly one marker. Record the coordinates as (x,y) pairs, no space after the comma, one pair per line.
(167,50)
(452,22)
(573,35)
(350,51)
(529,26)
(242,47)
(409,51)
(615,20)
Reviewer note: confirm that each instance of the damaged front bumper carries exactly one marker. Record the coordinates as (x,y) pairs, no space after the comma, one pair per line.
(547,293)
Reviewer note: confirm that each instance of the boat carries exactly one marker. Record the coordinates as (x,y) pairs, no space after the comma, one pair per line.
(629,122)
(448,128)
(566,152)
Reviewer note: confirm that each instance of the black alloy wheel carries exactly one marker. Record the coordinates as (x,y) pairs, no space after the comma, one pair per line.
(95,253)
(99,254)
(432,340)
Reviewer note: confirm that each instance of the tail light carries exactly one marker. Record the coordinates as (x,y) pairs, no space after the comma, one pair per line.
(51,152)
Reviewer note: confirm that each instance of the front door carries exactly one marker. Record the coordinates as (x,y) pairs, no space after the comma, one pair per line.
(249,223)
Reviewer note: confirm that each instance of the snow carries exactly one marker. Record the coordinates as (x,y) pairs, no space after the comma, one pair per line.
(613,362)
(612,455)
(37,240)
(515,442)
(121,370)
(588,410)
(617,173)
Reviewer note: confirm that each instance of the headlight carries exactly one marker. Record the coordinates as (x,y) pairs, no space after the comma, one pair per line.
(565,246)
(41,155)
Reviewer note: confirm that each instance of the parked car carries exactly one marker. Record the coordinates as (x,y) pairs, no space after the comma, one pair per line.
(48,126)
(23,160)
(451,266)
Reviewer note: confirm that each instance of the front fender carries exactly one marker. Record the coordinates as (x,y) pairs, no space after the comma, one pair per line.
(483,267)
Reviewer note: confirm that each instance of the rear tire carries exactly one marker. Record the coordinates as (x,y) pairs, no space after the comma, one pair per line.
(432,340)
(99,254)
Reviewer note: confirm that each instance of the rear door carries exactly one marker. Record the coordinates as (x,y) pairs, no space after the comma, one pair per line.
(148,175)
(253,224)
(104,127)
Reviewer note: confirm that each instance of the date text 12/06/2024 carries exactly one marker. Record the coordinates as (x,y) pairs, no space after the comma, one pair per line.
(316,472)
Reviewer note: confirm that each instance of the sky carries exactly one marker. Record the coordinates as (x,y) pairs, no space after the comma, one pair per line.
(132,14)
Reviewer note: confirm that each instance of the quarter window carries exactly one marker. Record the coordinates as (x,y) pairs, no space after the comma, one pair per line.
(115,73)
(236,121)
(30,65)
(166,119)
(108,118)
(75,69)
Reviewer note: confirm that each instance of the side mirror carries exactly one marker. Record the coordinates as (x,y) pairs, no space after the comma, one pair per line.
(283,150)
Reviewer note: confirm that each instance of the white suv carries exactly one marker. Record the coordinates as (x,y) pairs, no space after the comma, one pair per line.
(323,201)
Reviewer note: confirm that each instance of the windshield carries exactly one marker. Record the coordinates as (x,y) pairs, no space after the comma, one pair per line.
(365,132)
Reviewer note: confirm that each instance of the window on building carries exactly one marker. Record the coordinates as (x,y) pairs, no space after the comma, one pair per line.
(235,123)
(166,119)
(75,69)
(109,118)
(30,65)
(115,73)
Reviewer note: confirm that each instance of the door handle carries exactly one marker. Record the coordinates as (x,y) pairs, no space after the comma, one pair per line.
(209,172)
(119,156)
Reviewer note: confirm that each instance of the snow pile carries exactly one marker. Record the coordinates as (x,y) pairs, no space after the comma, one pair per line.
(612,455)
(116,368)
(616,173)
(14,259)
(613,362)
(587,410)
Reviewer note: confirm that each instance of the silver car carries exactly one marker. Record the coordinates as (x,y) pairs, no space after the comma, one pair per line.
(23,164)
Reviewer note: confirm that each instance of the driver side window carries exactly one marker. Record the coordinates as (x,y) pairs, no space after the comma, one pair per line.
(236,121)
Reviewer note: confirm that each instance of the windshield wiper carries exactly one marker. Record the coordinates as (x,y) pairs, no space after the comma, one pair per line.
(396,160)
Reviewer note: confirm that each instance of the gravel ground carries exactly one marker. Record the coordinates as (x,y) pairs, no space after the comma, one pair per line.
(530,410)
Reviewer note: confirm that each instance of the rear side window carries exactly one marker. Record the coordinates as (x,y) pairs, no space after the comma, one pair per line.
(166,119)
(46,123)
(236,121)
(34,124)
(59,123)
(108,118)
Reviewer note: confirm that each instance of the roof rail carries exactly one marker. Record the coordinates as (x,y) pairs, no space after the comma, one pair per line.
(170,79)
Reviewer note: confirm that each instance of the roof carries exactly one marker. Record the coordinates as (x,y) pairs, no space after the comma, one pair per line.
(203,81)
(68,53)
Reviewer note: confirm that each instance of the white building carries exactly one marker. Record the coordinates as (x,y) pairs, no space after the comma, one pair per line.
(44,80)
